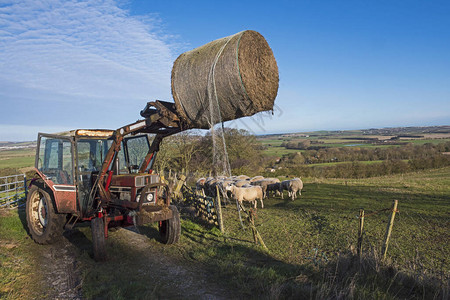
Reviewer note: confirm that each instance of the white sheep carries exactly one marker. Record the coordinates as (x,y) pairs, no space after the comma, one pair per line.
(256,178)
(241,183)
(243,177)
(292,186)
(251,194)
(296,186)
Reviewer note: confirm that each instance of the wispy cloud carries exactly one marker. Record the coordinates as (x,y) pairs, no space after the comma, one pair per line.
(79,62)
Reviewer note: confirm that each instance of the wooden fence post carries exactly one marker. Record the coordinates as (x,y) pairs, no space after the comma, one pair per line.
(219,210)
(180,183)
(360,231)
(252,222)
(389,229)
(255,232)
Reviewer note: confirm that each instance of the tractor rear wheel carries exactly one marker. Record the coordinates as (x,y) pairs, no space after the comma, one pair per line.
(44,224)
(98,239)
(170,229)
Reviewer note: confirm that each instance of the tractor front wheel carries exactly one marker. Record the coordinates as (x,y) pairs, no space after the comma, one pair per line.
(170,230)
(98,239)
(44,224)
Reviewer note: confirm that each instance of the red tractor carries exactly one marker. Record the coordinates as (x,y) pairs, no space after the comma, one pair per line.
(105,177)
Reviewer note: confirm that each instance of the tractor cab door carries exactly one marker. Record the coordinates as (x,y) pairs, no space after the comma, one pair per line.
(55,164)
(90,153)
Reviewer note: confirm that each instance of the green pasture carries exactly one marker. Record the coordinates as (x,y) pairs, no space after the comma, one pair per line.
(279,151)
(425,141)
(273,142)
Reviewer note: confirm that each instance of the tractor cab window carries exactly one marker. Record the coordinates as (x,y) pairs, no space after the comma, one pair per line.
(135,150)
(90,154)
(55,159)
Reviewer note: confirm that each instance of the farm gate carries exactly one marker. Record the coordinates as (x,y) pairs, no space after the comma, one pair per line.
(13,190)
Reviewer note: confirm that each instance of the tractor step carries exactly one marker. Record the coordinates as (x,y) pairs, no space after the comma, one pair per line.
(71,223)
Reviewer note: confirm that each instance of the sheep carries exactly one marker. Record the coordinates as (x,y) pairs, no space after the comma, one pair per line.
(223,184)
(284,186)
(292,186)
(274,187)
(296,186)
(273,179)
(208,185)
(240,183)
(251,194)
(223,187)
(256,178)
(264,184)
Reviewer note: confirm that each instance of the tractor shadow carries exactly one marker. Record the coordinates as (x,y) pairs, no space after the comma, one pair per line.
(80,236)
(21,212)
(79,239)
(150,231)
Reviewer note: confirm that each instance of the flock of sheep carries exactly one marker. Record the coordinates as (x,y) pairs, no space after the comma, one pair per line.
(243,188)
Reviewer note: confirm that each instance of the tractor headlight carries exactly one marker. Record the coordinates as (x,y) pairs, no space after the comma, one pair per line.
(150,197)
(147,198)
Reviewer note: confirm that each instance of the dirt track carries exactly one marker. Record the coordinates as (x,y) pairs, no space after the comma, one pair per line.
(62,273)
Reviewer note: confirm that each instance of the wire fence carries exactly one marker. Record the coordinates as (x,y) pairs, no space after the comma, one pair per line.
(419,241)
(13,190)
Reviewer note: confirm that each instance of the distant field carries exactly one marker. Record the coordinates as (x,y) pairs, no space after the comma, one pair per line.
(354,138)
(367,162)
(20,158)
(279,151)
(424,141)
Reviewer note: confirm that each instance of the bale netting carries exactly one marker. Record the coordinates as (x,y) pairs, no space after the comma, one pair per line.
(226,79)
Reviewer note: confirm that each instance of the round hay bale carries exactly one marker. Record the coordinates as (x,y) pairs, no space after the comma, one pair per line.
(238,74)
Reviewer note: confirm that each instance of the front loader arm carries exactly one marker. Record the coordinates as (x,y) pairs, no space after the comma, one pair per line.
(160,119)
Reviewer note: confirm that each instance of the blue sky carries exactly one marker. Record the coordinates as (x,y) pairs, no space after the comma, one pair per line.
(342,64)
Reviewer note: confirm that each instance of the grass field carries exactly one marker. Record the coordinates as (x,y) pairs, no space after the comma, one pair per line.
(311,244)
(21,158)
(20,276)
(279,151)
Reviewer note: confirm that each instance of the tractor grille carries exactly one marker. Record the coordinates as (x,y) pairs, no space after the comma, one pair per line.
(141,181)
